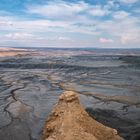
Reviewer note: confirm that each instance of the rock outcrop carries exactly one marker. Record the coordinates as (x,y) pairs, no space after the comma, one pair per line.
(69,121)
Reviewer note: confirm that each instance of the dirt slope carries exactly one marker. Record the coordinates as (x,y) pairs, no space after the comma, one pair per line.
(69,121)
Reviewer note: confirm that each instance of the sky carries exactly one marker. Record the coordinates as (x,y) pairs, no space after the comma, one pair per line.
(70,23)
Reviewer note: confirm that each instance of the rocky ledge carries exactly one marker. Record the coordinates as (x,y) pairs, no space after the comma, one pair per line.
(69,121)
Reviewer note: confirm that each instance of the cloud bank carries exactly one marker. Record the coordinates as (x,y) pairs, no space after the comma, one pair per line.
(72,24)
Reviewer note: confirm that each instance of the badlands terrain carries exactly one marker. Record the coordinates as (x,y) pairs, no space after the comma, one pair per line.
(107,83)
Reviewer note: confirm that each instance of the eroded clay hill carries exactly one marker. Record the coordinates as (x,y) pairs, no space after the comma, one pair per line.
(69,121)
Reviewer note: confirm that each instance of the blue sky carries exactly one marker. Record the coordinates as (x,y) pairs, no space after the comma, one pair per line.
(70,23)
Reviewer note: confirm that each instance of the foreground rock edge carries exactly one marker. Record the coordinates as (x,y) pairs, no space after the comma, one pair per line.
(69,121)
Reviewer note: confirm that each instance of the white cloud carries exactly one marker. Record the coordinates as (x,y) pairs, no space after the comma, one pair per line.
(130,37)
(5,21)
(128,1)
(120,14)
(105,40)
(137,11)
(21,36)
(98,11)
(79,25)
(64,38)
(61,9)
(69,23)
(123,29)
(67,11)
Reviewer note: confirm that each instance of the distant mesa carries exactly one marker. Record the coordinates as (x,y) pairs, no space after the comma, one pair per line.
(69,121)
(8,52)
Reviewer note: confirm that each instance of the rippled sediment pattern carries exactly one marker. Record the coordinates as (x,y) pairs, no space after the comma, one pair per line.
(108,87)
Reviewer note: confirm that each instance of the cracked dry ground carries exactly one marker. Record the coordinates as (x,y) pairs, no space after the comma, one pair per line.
(26,99)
